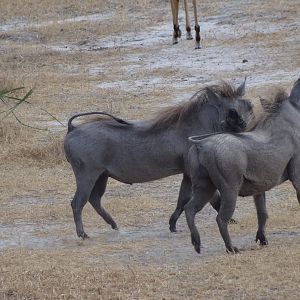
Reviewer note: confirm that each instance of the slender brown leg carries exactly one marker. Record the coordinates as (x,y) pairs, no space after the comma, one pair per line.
(187,21)
(197,26)
(176,32)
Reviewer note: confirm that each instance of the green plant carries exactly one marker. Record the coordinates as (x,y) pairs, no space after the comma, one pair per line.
(11,101)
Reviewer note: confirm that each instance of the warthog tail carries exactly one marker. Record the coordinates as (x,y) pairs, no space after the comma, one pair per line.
(71,126)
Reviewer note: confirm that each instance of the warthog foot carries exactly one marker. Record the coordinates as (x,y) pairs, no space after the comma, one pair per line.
(232,221)
(233,250)
(173,228)
(83,235)
(261,238)
(196,243)
(114,226)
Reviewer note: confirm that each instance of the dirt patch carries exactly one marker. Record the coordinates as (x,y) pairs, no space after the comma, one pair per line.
(30,236)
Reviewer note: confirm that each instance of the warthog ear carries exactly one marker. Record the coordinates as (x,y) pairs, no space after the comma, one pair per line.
(242,88)
(295,92)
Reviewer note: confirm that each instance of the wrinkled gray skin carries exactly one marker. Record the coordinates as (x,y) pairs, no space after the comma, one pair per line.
(245,164)
(131,152)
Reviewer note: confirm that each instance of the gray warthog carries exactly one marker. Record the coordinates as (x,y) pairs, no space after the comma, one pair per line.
(141,151)
(246,164)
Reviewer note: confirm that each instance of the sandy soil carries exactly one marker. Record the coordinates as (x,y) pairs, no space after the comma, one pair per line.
(122,61)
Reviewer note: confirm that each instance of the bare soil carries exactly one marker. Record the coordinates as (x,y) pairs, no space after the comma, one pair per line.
(118,57)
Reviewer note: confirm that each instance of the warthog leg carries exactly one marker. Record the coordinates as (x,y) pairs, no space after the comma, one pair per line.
(77,204)
(293,174)
(95,200)
(226,211)
(262,216)
(216,204)
(85,182)
(202,193)
(184,197)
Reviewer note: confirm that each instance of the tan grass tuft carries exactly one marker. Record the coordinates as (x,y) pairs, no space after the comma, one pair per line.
(49,152)
(9,132)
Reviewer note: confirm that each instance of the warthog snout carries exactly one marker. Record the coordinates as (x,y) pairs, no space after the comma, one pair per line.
(234,121)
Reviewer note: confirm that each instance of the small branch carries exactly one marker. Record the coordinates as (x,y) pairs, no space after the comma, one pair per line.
(53,117)
(5,96)
(26,125)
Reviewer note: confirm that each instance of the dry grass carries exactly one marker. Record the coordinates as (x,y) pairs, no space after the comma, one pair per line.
(142,261)
(253,275)
(37,10)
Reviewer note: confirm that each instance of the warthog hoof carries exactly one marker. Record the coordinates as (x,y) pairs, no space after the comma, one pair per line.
(196,243)
(261,238)
(83,236)
(173,228)
(264,243)
(114,226)
(233,250)
(232,221)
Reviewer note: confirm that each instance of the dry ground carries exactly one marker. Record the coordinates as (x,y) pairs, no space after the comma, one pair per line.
(117,56)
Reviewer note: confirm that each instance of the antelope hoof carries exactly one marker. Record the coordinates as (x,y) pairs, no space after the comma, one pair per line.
(179,33)
(189,36)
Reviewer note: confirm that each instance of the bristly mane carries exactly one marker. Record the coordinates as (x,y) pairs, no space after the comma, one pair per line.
(179,112)
(271,106)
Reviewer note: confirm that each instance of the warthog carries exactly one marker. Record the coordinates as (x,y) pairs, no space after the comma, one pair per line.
(141,151)
(246,164)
